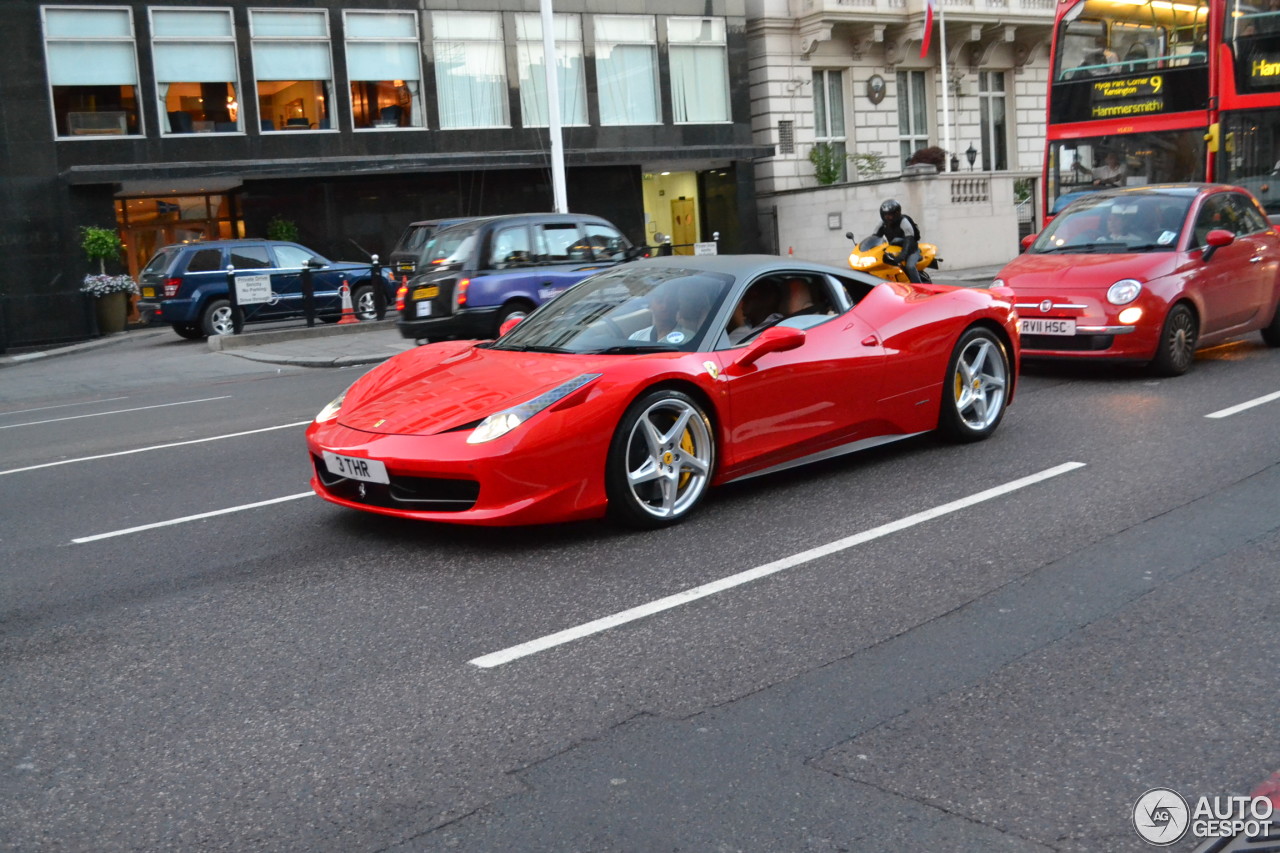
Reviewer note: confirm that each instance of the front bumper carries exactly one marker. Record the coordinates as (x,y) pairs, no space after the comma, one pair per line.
(529,476)
(1099,334)
(467,323)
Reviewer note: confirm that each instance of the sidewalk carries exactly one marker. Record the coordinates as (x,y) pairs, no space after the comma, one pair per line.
(332,345)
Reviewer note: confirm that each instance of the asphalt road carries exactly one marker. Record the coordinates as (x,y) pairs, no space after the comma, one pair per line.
(196,654)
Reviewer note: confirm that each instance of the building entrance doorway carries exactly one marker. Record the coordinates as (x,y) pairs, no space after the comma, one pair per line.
(147,223)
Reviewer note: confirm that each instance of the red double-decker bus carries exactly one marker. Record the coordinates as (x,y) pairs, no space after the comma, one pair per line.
(1150,91)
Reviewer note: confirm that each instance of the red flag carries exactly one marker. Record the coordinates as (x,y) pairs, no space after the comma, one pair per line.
(928,28)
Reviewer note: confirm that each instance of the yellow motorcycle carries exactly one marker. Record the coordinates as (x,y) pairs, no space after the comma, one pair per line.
(875,255)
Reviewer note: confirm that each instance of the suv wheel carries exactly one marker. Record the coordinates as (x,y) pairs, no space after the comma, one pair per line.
(216,319)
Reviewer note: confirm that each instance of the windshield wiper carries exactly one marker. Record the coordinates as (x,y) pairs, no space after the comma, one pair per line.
(627,349)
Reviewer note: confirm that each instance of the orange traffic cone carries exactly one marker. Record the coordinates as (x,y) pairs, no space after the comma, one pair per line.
(348,312)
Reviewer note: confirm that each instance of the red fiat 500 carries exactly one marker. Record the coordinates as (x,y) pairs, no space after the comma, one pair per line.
(1148,274)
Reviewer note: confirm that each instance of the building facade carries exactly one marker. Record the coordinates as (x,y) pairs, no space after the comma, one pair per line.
(848,76)
(175,120)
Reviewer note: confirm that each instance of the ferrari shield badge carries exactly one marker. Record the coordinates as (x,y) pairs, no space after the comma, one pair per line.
(712,370)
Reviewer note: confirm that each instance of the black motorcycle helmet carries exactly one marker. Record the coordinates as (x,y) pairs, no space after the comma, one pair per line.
(891,212)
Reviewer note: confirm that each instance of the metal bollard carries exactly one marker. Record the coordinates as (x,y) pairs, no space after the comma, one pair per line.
(379,289)
(308,294)
(237,313)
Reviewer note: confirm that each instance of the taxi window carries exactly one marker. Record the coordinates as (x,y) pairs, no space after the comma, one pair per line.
(510,248)
(558,242)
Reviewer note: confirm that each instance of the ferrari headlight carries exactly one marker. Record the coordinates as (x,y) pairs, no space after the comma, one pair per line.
(1123,291)
(330,411)
(498,425)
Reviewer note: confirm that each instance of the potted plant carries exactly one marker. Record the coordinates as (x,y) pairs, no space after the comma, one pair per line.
(111,293)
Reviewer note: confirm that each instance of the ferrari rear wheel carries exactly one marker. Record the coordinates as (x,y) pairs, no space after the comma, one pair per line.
(660,460)
(976,388)
(1177,351)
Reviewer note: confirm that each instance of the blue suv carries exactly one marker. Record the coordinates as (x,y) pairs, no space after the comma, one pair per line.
(474,276)
(185,285)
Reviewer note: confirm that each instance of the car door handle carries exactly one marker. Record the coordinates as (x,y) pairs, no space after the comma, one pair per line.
(870,341)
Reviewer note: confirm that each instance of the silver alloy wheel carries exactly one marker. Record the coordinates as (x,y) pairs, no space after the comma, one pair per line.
(980,382)
(365,308)
(1181,340)
(668,457)
(220,322)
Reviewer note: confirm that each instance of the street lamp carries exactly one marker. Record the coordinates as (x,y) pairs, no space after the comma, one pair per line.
(972,154)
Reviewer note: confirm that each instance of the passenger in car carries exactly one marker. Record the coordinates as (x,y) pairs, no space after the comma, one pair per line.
(757,310)
(664,306)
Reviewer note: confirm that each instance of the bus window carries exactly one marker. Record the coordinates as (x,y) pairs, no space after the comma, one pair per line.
(1099,38)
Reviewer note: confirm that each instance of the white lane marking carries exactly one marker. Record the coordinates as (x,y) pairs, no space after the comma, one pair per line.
(1249,404)
(599,625)
(116,412)
(186,518)
(153,447)
(60,406)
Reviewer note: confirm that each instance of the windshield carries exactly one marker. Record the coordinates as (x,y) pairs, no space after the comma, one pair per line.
(626,310)
(448,247)
(870,242)
(1127,160)
(1098,224)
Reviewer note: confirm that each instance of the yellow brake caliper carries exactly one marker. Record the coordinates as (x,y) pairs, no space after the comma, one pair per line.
(686,444)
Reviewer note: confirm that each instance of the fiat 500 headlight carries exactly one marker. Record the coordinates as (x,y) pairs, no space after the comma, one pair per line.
(498,425)
(1124,291)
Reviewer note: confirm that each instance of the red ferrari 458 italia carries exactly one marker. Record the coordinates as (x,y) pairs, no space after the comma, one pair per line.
(1148,274)
(635,390)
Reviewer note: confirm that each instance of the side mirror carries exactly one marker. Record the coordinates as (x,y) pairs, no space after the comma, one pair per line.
(508,324)
(849,234)
(637,252)
(1217,238)
(1026,241)
(773,339)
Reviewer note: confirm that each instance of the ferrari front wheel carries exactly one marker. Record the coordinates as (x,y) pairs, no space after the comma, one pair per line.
(660,460)
(976,388)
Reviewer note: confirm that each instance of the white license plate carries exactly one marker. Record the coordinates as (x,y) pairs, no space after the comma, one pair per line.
(369,470)
(1045,326)
(423,309)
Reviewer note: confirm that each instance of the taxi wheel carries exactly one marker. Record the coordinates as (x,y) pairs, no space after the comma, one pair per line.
(190,331)
(514,308)
(1177,350)
(660,460)
(976,388)
(216,319)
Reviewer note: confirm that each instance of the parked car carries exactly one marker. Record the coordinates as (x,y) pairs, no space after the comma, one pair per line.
(1148,274)
(404,257)
(475,275)
(644,385)
(185,285)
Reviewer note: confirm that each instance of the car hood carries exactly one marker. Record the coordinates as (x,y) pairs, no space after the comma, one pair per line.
(444,386)
(1063,272)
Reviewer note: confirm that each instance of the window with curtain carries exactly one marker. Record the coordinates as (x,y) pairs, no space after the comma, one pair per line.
(197,83)
(828,116)
(384,67)
(471,69)
(699,69)
(913,115)
(91,57)
(570,76)
(292,68)
(995,128)
(627,69)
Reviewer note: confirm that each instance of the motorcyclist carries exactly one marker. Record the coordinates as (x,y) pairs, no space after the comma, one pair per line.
(900,229)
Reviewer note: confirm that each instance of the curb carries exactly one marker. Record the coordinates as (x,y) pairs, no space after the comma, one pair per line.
(222,343)
(71,349)
(310,360)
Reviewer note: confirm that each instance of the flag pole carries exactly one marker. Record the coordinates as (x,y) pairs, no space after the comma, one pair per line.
(559,194)
(946,83)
